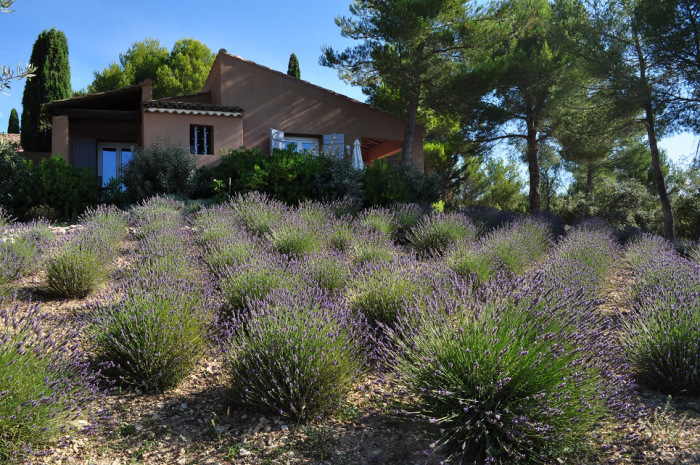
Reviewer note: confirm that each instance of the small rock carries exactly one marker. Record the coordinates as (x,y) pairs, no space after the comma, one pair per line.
(284,427)
(243,452)
(183,407)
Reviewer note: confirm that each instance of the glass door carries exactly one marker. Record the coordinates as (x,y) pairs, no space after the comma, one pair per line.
(111,159)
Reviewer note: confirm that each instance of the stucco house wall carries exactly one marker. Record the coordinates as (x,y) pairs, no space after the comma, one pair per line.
(227,132)
(274,100)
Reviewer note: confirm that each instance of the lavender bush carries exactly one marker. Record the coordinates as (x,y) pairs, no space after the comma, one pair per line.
(593,248)
(694,254)
(511,248)
(45,386)
(156,214)
(646,247)
(406,217)
(329,271)
(154,335)
(340,235)
(21,252)
(381,291)
(298,356)
(435,233)
(294,237)
(662,338)
(377,219)
(253,280)
(257,212)
(509,377)
(371,246)
(77,269)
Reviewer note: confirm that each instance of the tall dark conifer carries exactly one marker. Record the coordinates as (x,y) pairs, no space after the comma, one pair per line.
(51,82)
(293,67)
(13,125)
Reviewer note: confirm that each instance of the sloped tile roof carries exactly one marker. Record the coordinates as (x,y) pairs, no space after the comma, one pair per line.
(170,106)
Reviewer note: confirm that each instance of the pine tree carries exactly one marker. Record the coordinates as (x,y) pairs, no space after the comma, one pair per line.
(13,126)
(293,67)
(51,82)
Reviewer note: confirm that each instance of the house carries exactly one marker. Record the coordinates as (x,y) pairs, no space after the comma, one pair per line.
(242,104)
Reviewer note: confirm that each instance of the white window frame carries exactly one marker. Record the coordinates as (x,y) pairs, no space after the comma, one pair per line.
(205,127)
(119,147)
(300,140)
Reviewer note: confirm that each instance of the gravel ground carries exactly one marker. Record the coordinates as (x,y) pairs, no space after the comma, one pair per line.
(194,425)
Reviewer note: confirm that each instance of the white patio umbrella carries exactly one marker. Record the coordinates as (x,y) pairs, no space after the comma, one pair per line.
(357,156)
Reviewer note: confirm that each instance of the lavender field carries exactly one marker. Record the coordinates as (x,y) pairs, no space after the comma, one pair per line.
(257,333)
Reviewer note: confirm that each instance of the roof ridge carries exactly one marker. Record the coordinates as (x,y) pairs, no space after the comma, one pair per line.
(223,51)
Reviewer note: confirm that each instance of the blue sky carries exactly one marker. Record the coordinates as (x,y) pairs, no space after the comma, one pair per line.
(264,31)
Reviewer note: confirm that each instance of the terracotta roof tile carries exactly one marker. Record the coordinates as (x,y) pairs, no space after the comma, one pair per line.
(193,106)
(13,139)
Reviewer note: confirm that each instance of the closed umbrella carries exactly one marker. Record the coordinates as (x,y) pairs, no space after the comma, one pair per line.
(357,156)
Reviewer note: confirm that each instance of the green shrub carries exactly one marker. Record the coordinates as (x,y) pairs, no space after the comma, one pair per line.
(15,175)
(339,180)
(245,168)
(291,176)
(383,185)
(161,168)
(625,203)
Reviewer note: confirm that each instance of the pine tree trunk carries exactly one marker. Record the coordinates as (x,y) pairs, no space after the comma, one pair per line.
(533,168)
(589,180)
(669,230)
(407,147)
(650,121)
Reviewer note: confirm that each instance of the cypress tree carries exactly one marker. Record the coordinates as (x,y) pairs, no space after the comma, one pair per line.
(293,67)
(51,82)
(13,126)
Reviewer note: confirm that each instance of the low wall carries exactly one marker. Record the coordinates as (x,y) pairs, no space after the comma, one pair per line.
(36,157)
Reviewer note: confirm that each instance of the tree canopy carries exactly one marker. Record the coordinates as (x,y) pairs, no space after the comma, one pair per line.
(13,124)
(293,66)
(51,82)
(406,45)
(183,70)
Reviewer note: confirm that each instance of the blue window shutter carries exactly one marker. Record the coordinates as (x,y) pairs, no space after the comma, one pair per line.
(334,144)
(276,140)
(85,154)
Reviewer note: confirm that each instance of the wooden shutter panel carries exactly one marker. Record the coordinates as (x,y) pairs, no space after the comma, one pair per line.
(276,140)
(85,154)
(334,144)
